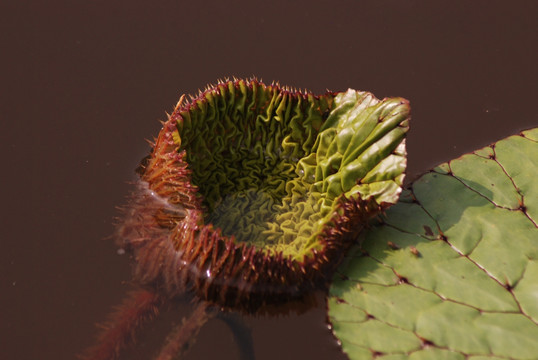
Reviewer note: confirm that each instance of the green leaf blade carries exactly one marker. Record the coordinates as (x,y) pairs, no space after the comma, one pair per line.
(454,263)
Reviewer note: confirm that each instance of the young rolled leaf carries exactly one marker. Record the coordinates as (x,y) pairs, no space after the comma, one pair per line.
(452,270)
(253,193)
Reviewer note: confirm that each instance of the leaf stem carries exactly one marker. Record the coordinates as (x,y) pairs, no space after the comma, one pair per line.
(183,336)
(138,308)
(242,333)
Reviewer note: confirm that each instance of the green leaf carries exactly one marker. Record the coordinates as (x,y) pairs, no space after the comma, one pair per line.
(451,272)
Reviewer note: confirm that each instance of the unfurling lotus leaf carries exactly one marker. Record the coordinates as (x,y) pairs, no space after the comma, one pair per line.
(253,193)
(452,272)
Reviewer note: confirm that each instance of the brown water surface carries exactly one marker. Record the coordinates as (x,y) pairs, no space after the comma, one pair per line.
(84,82)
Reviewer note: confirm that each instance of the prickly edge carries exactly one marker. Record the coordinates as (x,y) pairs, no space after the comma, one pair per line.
(253,193)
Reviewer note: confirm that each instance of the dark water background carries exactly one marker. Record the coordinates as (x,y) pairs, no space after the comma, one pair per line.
(84,82)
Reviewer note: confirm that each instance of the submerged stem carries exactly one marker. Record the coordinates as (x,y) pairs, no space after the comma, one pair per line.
(183,336)
(138,308)
(242,334)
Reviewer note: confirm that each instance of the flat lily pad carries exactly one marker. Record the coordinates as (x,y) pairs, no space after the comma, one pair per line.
(451,271)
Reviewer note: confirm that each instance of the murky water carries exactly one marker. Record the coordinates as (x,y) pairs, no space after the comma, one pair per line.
(84,83)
